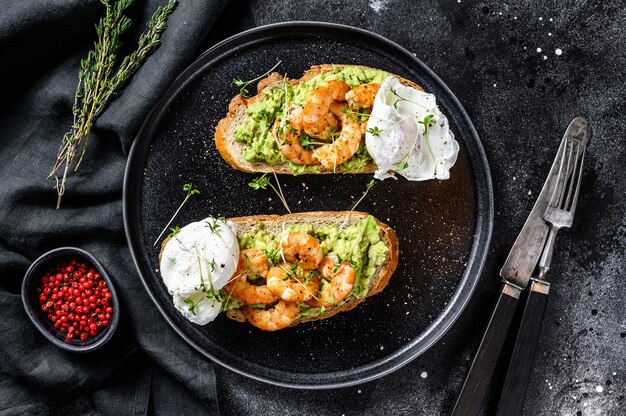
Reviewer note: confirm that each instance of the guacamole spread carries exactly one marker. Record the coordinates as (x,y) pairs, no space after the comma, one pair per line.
(256,131)
(360,244)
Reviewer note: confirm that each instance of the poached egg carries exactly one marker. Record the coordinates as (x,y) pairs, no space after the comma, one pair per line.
(407,134)
(196,263)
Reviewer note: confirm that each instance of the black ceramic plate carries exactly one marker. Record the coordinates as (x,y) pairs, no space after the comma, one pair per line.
(444,227)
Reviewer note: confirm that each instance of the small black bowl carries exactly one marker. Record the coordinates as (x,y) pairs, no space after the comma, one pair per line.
(30,299)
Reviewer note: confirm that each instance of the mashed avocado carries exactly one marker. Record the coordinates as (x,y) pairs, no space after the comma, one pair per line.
(256,130)
(359,244)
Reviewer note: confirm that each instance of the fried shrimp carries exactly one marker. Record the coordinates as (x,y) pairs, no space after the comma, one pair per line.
(277,317)
(287,136)
(252,262)
(363,95)
(292,284)
(318,121)
(302,249)
(341,277)
(332,154)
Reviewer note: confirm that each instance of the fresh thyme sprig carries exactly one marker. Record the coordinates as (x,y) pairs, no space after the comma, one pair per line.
(188,187)
(243,85)
(98,82)
(263,182)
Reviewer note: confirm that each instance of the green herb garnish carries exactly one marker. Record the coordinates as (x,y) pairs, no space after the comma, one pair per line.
(188,187)
(192,305)
(369,186)
(428,121)
(263,182)
(243,90)
(340,261)
(174,232)
(401,98)
(307,143)
(273,255)
(374,131)
(359,117)
(332,133)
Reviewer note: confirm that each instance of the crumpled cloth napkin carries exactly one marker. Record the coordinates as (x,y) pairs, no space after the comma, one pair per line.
(146,366)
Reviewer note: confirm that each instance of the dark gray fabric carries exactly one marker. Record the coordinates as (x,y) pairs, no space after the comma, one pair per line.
(41,44)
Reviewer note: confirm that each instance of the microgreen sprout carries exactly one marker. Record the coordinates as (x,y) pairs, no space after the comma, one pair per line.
(190,190)
(307,143)
(243,85)
(375,131)
(210,292)
(401,98)
(273,255)
(360,117)
(428,121)
(263,182)
(369,186)
(214,225)
(340,261)
(192,305)
(285,117)
(332,133)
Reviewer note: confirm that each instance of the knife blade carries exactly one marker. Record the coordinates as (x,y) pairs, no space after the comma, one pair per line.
(520,365)
(516,273)
(527,248)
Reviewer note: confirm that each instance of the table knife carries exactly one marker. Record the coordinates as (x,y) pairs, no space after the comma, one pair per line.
(560,215)
(516,273)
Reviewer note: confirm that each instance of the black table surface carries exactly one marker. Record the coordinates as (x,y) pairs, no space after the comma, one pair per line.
(522,70)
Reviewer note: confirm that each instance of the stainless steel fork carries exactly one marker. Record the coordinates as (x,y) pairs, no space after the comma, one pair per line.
(558,214)
(560,211)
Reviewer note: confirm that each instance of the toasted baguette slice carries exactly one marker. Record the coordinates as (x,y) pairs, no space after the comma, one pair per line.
(232,150)
(274,223)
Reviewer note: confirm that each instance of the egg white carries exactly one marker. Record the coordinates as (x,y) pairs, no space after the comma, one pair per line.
(400,144)
(204,252)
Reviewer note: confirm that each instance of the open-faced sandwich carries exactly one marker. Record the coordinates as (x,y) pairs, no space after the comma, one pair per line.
(316,124)
(277,271)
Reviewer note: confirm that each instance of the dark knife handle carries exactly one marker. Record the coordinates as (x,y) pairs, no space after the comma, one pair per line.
(521,365)
(472,394)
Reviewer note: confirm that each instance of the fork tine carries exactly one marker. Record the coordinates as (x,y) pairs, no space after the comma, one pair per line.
(561,177)
(579,173)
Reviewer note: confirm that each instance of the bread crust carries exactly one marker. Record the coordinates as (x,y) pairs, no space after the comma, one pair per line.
(232,151)
(249,224)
